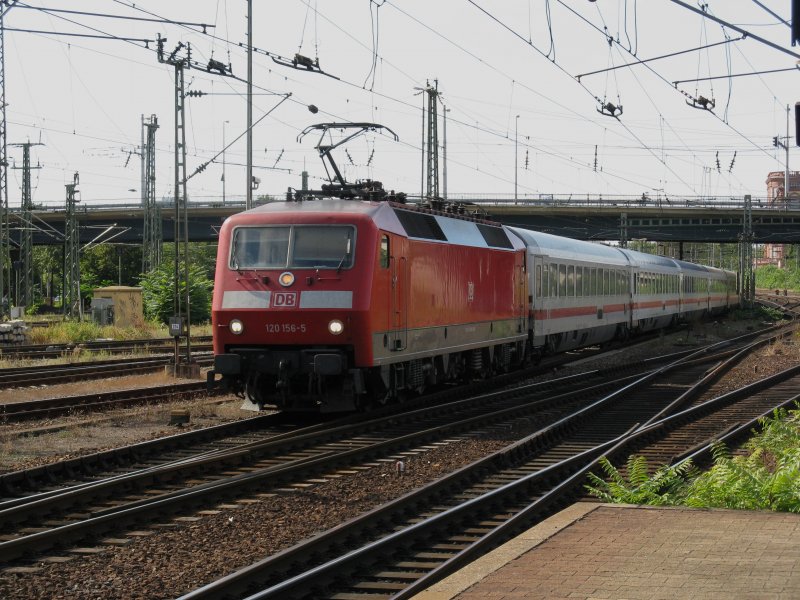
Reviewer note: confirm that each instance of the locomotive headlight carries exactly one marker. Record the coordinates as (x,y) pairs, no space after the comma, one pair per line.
(286,279)
(236,326)
(336,327)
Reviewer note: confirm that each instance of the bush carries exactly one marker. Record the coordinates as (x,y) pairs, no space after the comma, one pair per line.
(773,278)
(768,478)
(158,288)
(663,488)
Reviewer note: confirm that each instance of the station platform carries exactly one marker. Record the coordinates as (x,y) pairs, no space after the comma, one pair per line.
(592,550)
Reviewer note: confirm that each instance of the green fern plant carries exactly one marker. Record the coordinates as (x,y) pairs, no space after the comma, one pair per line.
(751,482)
(660,489)
(768,478)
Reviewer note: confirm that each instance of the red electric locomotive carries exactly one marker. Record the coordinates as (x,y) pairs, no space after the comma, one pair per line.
(329,304)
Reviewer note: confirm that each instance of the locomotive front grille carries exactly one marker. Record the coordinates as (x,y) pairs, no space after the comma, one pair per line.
(317,361)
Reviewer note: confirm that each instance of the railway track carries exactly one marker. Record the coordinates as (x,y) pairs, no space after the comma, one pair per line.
(401,548)
(54,374)
(94,465)
(96,507)
(150,345)
(166,488)
(68,405)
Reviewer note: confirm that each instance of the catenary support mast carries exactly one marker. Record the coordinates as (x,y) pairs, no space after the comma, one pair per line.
(24,268)
(152,238)
(73,307)
(5,234)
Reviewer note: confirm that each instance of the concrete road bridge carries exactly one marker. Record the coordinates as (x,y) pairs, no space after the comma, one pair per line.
(587,217)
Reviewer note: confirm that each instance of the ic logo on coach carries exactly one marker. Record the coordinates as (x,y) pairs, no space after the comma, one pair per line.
(284,299)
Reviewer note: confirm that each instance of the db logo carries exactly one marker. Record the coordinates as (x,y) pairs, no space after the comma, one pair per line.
(284,299)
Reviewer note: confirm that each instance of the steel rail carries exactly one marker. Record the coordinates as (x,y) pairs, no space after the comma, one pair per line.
(238,582)
(325,460)
(14,548)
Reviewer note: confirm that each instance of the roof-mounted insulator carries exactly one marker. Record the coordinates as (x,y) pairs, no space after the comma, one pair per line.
(302,63)
(610,110)
(701,103)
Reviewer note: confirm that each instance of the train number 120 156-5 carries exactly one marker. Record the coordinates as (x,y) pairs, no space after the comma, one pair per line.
(286,328)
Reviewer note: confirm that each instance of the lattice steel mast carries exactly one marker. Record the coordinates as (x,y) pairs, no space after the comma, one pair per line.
(747,279)
(25,270)
(181,223)
(73,307)
(5,236)
(152,238)
(432,143)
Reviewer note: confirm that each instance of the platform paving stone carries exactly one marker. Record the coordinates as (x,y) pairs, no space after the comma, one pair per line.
(594,550)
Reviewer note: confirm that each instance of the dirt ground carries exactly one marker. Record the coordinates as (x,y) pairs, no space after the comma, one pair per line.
(32,443)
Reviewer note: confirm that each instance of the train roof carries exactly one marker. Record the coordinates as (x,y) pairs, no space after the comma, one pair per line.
(406,220)
(642,258)
(561,247)
(326,205)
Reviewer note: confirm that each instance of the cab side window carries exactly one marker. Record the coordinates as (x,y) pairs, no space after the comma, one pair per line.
(384,252)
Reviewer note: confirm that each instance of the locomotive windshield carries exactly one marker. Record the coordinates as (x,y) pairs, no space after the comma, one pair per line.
(293,247)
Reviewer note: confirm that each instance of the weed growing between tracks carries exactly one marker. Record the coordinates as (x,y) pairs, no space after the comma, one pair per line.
(75,332)
(767,477)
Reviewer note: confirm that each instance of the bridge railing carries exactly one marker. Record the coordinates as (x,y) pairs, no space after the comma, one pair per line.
(532,201)
(637,202)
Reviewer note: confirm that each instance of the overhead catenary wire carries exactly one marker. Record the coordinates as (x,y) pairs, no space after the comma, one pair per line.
(734,75)
(661,57)
(215,37)
(530,89)
(487,125)
(707,15)
(773,13)
(662,78)
(630,132)
(203,26)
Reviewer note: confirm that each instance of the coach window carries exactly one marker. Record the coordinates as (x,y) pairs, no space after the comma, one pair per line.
(545,287)
(562,280)
(385,251)
(538,281)
(553,280)
(570,281)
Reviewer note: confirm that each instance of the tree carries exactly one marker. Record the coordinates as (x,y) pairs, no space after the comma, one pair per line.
(158,289)
(100,265)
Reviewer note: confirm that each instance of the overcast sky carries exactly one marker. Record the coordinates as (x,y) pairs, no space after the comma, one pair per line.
(83,98)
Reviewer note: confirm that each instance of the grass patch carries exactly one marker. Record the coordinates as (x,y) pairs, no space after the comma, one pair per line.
(77,332)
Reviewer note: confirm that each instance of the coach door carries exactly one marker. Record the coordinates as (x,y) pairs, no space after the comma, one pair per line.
(520,301)
(398,306)
(537,293)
